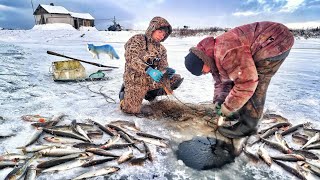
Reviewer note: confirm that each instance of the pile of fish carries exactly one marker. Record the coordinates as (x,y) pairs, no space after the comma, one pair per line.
(301,158)
(54,147)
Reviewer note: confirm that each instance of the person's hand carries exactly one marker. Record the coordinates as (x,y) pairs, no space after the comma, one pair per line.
(170,72)
(217,107)
(155,74)
(223,111)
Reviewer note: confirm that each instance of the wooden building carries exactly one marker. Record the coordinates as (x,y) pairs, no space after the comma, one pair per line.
(49,14)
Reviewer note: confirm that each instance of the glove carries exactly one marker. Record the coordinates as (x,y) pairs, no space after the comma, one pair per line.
(217,107)
(155,74)
(223,111)
(170,72)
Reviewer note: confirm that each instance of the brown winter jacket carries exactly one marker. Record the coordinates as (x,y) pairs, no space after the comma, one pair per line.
(142,47)
(232,57)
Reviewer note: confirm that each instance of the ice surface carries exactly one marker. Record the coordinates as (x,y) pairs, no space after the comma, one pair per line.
(26,87)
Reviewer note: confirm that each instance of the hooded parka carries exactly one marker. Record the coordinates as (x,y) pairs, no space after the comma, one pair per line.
(243,59)
(140,52)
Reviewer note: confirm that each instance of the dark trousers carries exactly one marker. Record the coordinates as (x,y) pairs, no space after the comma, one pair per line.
(252,111)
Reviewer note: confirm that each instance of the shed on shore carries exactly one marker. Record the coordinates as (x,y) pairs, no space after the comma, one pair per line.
(49,14)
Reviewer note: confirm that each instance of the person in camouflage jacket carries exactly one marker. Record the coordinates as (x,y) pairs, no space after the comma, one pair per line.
(242,62)
(145,67)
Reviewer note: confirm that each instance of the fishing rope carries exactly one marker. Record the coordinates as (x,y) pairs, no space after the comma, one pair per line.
(106,97)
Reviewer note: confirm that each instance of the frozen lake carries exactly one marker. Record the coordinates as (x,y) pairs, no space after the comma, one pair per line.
(26,87)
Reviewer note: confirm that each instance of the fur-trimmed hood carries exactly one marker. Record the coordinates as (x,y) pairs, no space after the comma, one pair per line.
(205,51)
(155,24)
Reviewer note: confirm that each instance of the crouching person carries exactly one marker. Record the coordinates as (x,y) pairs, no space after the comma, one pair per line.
(146,64)
(242,62)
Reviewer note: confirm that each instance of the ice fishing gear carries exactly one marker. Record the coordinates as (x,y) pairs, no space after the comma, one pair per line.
(97,75)
(92,63)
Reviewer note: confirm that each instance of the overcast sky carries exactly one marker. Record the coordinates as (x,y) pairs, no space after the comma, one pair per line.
(136,14)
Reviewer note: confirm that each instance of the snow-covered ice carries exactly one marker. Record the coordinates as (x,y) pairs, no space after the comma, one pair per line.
(26,87)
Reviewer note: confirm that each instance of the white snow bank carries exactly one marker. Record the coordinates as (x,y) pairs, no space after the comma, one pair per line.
(55,26)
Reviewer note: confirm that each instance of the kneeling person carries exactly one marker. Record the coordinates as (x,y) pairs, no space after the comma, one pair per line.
(146,63)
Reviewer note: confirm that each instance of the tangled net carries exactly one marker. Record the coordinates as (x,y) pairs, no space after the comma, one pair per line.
(181,112)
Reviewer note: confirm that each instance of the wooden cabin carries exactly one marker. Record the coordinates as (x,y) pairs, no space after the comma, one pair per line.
(49,14)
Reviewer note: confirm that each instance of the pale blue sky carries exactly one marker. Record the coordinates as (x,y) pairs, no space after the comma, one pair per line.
(194,13)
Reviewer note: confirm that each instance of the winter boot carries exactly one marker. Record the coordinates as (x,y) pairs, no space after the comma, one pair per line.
(176,84)
(146,110)
(151,95)
(121,93)
(243,128)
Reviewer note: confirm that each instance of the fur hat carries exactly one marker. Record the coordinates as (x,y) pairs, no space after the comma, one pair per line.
(194,64)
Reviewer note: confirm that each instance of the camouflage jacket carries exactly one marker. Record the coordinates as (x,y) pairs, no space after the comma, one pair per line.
(141,49)
(233,55)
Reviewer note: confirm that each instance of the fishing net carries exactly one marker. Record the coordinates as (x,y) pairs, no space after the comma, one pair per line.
(181,112)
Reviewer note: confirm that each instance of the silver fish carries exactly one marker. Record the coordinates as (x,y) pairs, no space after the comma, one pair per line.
(59,151)
(62,140)
(152,141)
(280,139)
(125,156)
(292,129)
(64,134)
(128,139)
(111,141)
(67,165)
(35,136)
(289,157)
(95,133)
(35,118)
(148,152)
(305,153)
(126,124)
(79,130)
(37,148)
(12,157)
(19,171)
(279,125)
(313,146)
(315,138)
(299,138)
(57,161)
(103,128)
(98,161)
(290,170)
(263,153)
(250,155)
(31,173)
(310,131)
(280,146)
(101,152)
(265,135)
(117,146)
(86,145)
(149,136)
(99,172)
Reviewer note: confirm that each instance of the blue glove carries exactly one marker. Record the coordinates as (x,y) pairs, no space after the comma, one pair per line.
(170,72)
(155,74)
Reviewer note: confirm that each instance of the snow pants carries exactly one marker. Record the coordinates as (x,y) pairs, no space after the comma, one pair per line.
(252,111)
(135,93)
